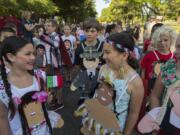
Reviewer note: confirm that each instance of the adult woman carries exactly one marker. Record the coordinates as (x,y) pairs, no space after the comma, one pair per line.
(27,25)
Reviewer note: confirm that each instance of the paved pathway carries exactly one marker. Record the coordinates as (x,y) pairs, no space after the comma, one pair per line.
(71,123)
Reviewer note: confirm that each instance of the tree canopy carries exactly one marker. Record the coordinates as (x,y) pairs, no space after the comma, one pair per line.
(76,10)
(129,10)
(14,7)
(69,10)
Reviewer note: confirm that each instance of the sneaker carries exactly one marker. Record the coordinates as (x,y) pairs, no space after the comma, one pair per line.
(55,107)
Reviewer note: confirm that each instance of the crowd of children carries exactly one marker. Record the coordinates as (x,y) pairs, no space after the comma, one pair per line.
(114,76)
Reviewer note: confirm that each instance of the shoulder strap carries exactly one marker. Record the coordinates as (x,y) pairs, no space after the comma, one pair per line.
(82,45)
(129,79)
(157,57)
(172,55)
(132,77)
(99,45)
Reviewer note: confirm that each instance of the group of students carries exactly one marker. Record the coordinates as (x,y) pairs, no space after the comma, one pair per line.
(25,98)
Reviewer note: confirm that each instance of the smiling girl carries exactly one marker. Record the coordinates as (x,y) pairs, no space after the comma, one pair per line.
(22,92)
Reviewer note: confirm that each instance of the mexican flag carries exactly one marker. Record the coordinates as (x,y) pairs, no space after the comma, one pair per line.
(54,81)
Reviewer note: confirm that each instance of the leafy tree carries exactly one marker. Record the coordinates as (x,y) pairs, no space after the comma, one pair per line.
(172,9)
(140,9)
(39,6)
(105,15)
(8,7)
(76,10)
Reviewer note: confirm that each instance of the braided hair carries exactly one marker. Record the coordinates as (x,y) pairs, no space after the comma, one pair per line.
(9,45)
(7,88)
(13,45)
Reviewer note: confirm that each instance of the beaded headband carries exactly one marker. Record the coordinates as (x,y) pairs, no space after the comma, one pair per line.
(120,46)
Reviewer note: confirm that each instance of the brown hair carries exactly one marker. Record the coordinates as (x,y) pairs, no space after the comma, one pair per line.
(91,23)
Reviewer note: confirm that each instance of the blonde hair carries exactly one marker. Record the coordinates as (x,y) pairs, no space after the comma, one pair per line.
(164,30)
(25,14)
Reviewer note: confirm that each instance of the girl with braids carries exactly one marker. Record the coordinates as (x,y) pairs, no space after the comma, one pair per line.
(119,71)
(22,92)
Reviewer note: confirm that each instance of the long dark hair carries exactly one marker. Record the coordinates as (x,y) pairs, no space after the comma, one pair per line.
(13,45)
(10,45)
